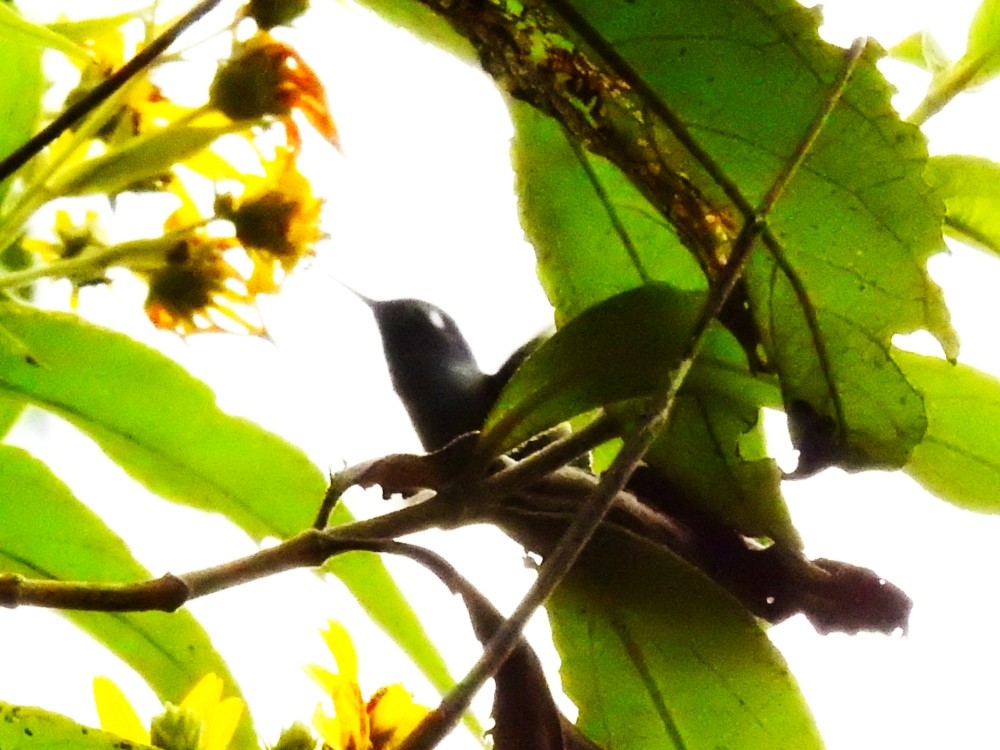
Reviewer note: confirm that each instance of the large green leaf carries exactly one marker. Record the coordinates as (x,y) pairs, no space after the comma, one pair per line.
(45,532)
(163,427)
(594,232)
(657,656)
(855,226)
(957,458)
(970,188)
(21,94)
(158,422)
(621,349)
(27,728)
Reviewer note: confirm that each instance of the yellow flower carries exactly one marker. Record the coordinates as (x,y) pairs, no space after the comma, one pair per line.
(276,220)
(197,289)
(380,724)
(267,77)
(202,721)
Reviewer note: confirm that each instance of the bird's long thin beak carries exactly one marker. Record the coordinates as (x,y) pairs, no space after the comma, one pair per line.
(372,303)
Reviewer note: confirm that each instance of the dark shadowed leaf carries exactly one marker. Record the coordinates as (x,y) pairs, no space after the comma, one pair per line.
(524,714)
(621,349)
(713,447)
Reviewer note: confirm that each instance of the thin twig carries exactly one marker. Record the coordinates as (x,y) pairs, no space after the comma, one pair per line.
(553,456)
(142,59)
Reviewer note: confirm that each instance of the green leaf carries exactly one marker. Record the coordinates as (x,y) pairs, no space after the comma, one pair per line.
(970,188)
(957,459)
(579,368)
(10,410)
(981,60)
(14,29)
(45,532)
(24,728)
(20,95)
(158,422)
(855,226)
(594,232)
(846,262)
(163,427)
(839,367)
(141,158)
(979,64)
(922,50)
(657,656)
(714,449)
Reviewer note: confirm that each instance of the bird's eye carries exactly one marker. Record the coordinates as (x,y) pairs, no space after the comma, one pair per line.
(436,319)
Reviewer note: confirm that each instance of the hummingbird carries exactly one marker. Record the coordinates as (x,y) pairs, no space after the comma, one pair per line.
(433,369)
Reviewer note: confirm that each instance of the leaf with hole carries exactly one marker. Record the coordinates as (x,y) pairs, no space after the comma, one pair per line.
(843,266)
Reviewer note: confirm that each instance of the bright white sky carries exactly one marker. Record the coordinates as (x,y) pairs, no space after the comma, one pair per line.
(420,204)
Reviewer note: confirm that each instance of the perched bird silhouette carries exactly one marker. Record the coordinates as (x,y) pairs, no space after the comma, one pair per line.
(434,371)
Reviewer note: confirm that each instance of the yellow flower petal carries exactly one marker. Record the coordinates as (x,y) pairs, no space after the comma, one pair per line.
(328,728)
(116,713)
(204,696)
(326,679)
(393,716)
(220,724)
(351,713)
(342,647)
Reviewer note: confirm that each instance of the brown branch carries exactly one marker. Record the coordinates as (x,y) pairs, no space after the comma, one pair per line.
(309,549)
